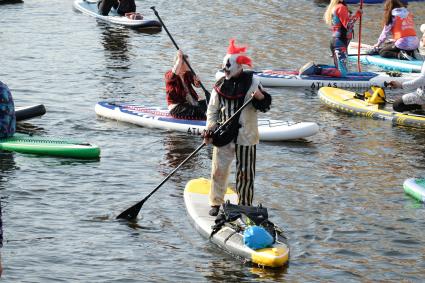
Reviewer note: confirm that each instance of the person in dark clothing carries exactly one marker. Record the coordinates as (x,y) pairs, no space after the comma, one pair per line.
(1,240)
(182,99)
(7,112)
(122,6)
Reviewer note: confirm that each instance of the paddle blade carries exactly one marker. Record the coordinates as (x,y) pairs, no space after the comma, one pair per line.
(132,212)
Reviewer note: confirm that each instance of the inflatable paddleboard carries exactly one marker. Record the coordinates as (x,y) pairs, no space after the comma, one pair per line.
(29,112)
(154,117)
(344,101)
(374,1)
(291,78)
(89,7)
(415,188)
(391,64)
(196,201)
(24,143)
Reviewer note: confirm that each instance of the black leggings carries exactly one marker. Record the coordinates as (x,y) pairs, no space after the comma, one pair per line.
(389,50)
(399,106)
(189,111)
(123,6)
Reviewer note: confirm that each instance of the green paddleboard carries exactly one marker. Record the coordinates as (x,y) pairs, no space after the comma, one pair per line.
(24,143)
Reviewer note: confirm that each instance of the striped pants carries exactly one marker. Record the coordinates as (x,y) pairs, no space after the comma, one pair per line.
(245,172)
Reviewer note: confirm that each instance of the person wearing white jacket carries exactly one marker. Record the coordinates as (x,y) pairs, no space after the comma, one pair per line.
(229,94)
(412,100)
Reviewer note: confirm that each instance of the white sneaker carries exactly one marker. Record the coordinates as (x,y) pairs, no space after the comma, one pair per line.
(402,55)
(417,55)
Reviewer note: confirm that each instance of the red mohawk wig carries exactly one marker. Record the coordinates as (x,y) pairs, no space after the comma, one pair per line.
(233,49)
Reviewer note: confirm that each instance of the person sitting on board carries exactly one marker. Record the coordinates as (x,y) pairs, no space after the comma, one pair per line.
(182,99)
(338,17)
(228,95)
(397,21)
(123,7)
(7,112)
(413,100)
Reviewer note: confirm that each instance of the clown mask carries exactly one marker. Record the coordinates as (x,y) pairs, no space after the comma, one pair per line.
(230,67)
(234,59)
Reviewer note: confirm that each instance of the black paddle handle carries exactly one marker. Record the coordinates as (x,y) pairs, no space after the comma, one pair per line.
(207,93)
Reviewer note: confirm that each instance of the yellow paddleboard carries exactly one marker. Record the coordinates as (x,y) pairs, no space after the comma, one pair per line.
(196,200)
(344,101)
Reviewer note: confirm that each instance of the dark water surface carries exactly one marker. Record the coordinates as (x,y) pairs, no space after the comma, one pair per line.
(338,194)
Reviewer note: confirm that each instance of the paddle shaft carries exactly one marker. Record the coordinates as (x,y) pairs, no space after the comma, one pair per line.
(360,38)
(132,212)
(361,54)
(207,94)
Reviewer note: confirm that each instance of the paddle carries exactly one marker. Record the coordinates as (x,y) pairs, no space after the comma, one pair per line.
(132,212)
(207,94)
(360,38)
(359,54)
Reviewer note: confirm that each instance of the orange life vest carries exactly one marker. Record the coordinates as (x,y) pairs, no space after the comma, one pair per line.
(403,27)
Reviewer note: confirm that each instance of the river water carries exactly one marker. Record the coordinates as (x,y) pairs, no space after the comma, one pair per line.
(337,194)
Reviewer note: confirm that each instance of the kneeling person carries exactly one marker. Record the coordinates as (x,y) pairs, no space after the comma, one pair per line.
(122,6)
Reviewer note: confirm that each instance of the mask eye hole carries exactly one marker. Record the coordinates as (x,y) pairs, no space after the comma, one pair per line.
(228,64)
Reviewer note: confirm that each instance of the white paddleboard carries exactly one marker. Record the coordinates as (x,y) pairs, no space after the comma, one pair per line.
(89,7)
(154,117)
(290,78)
(384,63)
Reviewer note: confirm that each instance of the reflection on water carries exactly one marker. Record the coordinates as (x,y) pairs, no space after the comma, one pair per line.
(115,42)
(7,165)
(178,147)
(117,63)
(29,129)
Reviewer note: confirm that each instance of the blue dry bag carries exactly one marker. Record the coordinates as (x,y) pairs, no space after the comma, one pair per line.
(256,237)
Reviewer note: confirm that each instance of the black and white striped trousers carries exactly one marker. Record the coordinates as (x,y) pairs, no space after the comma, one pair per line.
(245,172)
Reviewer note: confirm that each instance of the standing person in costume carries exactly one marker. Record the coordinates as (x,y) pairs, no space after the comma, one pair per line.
(182,99)
(229,94)
(7,112)
(342,23)
(413,100)
(123,6)
(397,21)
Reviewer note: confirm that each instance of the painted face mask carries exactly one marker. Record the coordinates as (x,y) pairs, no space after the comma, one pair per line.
(234,59)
